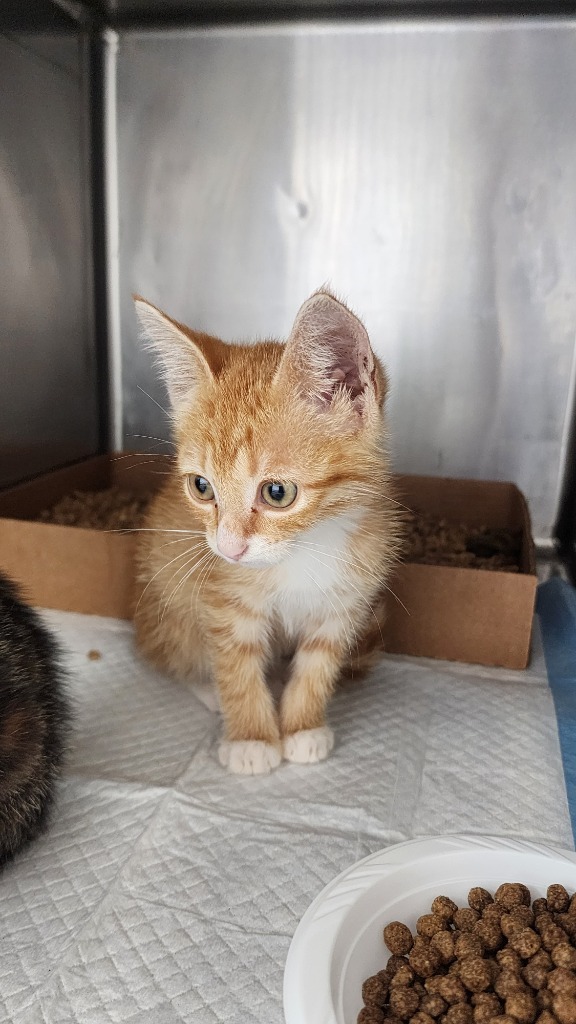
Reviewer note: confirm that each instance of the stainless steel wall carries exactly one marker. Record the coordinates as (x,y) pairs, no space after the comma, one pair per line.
(426,170)
(48,398)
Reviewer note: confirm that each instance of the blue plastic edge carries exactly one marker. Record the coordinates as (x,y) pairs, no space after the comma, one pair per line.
(556,608)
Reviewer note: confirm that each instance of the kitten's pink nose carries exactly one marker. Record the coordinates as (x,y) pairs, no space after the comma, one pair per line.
(231,546)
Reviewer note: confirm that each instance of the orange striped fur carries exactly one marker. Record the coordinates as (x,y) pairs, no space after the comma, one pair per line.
(230,584)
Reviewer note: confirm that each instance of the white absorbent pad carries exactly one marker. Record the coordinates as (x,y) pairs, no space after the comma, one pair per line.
(167,890)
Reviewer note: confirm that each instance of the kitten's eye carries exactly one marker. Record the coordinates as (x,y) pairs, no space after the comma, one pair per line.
(200,488)
(278,495)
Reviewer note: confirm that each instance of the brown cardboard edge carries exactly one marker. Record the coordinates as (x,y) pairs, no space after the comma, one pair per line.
(477,502)
(528,553)
(38,557)
(458,618)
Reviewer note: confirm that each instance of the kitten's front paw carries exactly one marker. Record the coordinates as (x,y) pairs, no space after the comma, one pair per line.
(309,745)
(249,757)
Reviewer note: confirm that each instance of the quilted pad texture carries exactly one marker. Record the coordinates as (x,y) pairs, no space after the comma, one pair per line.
(168,890)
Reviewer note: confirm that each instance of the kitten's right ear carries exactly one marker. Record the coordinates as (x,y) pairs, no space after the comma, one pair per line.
(183,364)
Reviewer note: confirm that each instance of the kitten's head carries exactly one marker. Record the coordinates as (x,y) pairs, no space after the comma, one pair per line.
(273,439)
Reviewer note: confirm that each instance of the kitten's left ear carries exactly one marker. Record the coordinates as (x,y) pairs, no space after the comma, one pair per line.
(328,354)
(188,360)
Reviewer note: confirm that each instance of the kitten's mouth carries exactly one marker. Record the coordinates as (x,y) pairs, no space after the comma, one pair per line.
(239,560)
(249,560)
(258,563)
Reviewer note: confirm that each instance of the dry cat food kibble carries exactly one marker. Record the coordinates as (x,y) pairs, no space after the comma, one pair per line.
(112,509)
(501,960)
(432,540)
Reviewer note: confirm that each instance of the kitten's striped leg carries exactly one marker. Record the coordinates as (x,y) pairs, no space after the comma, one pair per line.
(251,744)
(306,738)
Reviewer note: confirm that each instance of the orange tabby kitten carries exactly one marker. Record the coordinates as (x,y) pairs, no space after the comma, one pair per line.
(280,495)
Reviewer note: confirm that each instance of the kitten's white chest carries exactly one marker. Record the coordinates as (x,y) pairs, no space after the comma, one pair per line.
(311,581)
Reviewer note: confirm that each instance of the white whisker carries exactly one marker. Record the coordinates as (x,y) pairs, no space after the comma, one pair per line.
(179,540)
(340,558)
(153,529)
(139,455)
(199,561)
(161,407)
(182,554)
(161,440)
(374,493)
(337,614)
(149,462)
(360,595)
(363,568)
(204,577)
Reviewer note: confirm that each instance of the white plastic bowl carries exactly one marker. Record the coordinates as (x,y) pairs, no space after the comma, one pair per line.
(338,942)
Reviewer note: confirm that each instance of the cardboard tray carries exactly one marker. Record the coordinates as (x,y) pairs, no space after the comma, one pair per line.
(459,614)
